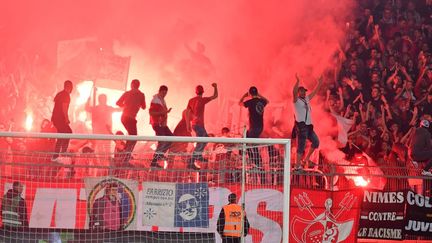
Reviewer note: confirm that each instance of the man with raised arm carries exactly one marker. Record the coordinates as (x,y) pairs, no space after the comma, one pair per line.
(131,101)
(195,108)
(255,105)
(303,122)
(158,119)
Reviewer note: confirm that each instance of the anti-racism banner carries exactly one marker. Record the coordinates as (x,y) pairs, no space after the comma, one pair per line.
(324,216)
(118,193)
(382,215)
(175,204)
(418,214)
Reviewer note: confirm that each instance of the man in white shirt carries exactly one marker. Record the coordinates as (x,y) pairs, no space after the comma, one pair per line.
(303,122)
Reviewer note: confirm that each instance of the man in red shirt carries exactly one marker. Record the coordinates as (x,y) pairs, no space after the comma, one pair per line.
(60,117)
(158,119)
(196,107)
(131,101)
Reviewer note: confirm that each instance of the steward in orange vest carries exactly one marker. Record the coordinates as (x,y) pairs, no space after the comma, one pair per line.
(229,224)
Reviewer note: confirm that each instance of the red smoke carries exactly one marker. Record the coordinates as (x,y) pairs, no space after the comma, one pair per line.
(184,43)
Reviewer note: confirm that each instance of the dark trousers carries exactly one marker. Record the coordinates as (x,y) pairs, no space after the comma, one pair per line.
(425,156)
(61,144)
(254,154)
(199,148)
(162,147)
(226,239)
(131,127)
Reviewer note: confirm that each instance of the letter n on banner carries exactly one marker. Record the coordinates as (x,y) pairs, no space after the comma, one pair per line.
(324,216)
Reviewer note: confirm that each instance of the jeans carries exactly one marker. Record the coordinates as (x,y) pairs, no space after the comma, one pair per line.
(253,152)
(199,148)
(305,132)
(162,147)
(61,145)
(131,127)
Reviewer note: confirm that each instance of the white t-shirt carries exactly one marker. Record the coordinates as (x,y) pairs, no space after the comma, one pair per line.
(302,110)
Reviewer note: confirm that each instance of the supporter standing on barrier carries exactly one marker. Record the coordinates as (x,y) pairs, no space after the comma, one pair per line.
(229,224)
(196,108)
(421,147)
(131,101)
(158,119)
(255,105)
(60,118)
(303,122)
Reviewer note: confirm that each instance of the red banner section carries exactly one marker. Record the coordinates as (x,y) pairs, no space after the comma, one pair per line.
(315,215)
(323,216)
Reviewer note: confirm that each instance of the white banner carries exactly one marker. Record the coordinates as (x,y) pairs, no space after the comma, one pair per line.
(158,204)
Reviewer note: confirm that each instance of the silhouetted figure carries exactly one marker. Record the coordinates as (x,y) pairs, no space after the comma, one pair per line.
(131,101)
(421,147)
(60,118)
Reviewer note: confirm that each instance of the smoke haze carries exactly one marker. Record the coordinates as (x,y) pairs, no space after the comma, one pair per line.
(184,43)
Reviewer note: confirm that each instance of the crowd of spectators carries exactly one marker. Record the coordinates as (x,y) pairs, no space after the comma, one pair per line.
(384,77)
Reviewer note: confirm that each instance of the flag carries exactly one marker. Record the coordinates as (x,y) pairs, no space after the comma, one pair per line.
(84,59)
(343,125)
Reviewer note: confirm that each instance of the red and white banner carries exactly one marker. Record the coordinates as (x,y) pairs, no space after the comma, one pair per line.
(324,216)
(64,205)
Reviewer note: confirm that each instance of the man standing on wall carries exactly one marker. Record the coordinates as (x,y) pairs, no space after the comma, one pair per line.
(255,106)
(131,101)
(303,122)
(195,108)
(60,118)
(158,119)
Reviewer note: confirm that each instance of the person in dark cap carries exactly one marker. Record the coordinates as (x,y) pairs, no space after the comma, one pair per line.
(229,225)
(255,105)
(303,122)
(420,149)
(195,109)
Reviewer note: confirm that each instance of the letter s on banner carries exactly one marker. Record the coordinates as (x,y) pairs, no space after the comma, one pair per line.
(271,230)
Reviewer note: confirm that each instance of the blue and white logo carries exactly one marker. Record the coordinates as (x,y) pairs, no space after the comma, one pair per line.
(191,206)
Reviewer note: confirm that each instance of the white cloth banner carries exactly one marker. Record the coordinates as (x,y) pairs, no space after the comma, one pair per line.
(158,204)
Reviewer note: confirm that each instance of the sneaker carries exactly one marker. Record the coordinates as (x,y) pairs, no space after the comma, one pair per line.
(426,173)
(194,166)
(415,164)
(55,160)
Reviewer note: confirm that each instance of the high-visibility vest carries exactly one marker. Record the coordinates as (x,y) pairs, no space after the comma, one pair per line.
(10,215)
(233,220)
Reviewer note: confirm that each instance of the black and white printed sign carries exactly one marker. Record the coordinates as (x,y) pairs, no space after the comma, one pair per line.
(418,214)
(382,215)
